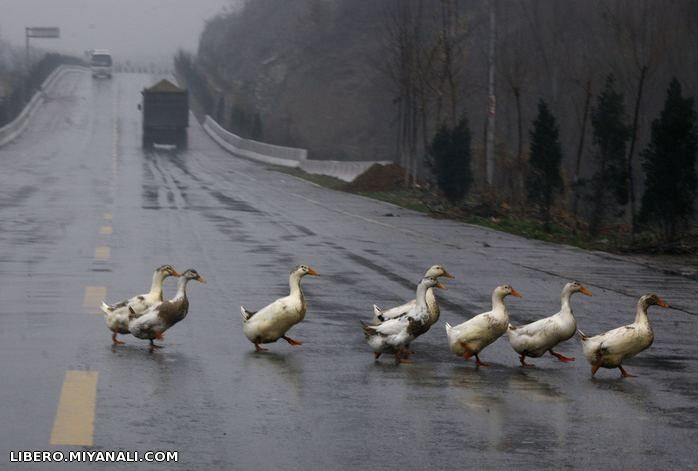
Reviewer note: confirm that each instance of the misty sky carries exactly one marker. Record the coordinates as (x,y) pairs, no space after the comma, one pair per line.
(137,29)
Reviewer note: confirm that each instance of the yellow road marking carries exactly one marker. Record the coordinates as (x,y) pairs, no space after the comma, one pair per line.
(75,418)
(102,253)
(105,230)
(107,216)
(94,296)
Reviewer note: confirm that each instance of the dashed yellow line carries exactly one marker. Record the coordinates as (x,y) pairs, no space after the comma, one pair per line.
(75,418)
(102,253)
(94,296)
(105,230)
(107,216)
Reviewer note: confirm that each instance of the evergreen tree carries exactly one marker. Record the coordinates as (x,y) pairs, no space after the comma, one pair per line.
(669,163)
(544,178)
(610,137)
(450,150)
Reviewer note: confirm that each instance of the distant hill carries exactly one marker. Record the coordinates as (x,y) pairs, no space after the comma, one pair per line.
(312,73)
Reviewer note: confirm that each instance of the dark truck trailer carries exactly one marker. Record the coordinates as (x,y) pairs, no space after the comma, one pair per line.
(165,114)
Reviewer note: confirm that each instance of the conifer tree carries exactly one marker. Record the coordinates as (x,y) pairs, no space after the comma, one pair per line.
(610,137)
(669,162)
(450,150)
(544,179)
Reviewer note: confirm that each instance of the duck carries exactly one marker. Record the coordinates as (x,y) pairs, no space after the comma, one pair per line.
(393,335)
(153,323)
(435,271)
(538,337)
(271,323)
(610,349)
(116,315)
(472,336)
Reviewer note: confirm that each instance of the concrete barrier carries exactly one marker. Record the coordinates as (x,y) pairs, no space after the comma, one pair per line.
(259,151)
(285,156)
(345,171)
(13,129)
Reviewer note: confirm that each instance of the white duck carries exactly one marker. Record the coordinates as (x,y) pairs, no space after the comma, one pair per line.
(436,271)
(608,350)
(271,323)
(160,317)
(116,315)
(470,337)
(538,337)
(393,335)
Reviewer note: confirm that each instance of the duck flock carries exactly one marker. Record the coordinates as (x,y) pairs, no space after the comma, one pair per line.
(392,331)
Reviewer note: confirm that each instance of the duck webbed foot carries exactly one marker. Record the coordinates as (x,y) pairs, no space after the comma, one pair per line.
(522,359)
(480,363)
(115,341)
(257,348)
(561,357)
(625,374)
(295,343)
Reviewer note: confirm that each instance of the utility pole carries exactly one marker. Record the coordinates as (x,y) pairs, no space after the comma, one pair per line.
(491,99)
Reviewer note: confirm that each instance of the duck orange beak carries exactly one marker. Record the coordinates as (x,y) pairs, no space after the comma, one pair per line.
(585,291)
(439,285)
(662,303)
(447,274)
(201,279)
(516,293)
(312,272)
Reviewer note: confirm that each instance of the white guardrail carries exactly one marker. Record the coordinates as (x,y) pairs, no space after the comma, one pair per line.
(13,129)
(285,156)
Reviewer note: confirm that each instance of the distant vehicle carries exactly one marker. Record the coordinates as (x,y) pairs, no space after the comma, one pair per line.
(165,114)
(101,63)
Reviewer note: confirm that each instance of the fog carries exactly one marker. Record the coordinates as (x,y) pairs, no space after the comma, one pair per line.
(132,29)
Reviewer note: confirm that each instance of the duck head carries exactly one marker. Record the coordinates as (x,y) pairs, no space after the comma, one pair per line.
(192,274)
(576,287)
(651,299)
(303,270)
(167,270)
(437,271)
(432,282)
(506,290)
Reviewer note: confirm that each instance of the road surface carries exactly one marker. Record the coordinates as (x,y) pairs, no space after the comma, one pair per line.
(86,213)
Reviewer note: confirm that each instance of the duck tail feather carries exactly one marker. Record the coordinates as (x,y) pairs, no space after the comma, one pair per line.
(582,335)
(368,329)
(246,314)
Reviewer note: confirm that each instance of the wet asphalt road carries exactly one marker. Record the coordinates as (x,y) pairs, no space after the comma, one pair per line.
(325,405)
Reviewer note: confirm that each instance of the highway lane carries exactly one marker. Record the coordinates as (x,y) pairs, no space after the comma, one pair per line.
(84,211)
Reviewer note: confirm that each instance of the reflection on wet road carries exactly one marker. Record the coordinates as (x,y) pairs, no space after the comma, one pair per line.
(85,213)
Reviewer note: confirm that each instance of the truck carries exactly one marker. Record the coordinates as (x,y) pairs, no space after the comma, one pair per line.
(165,111)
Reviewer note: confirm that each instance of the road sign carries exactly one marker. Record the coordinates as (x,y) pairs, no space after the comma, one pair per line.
(43,32)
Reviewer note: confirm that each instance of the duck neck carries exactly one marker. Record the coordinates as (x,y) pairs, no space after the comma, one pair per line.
(181,289)
(294,284)
(565,305)
(641,317)
(498,302)
(156,285)
(422,295)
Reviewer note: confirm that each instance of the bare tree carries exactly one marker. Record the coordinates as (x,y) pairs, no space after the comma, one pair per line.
(491,96)
(644,31)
